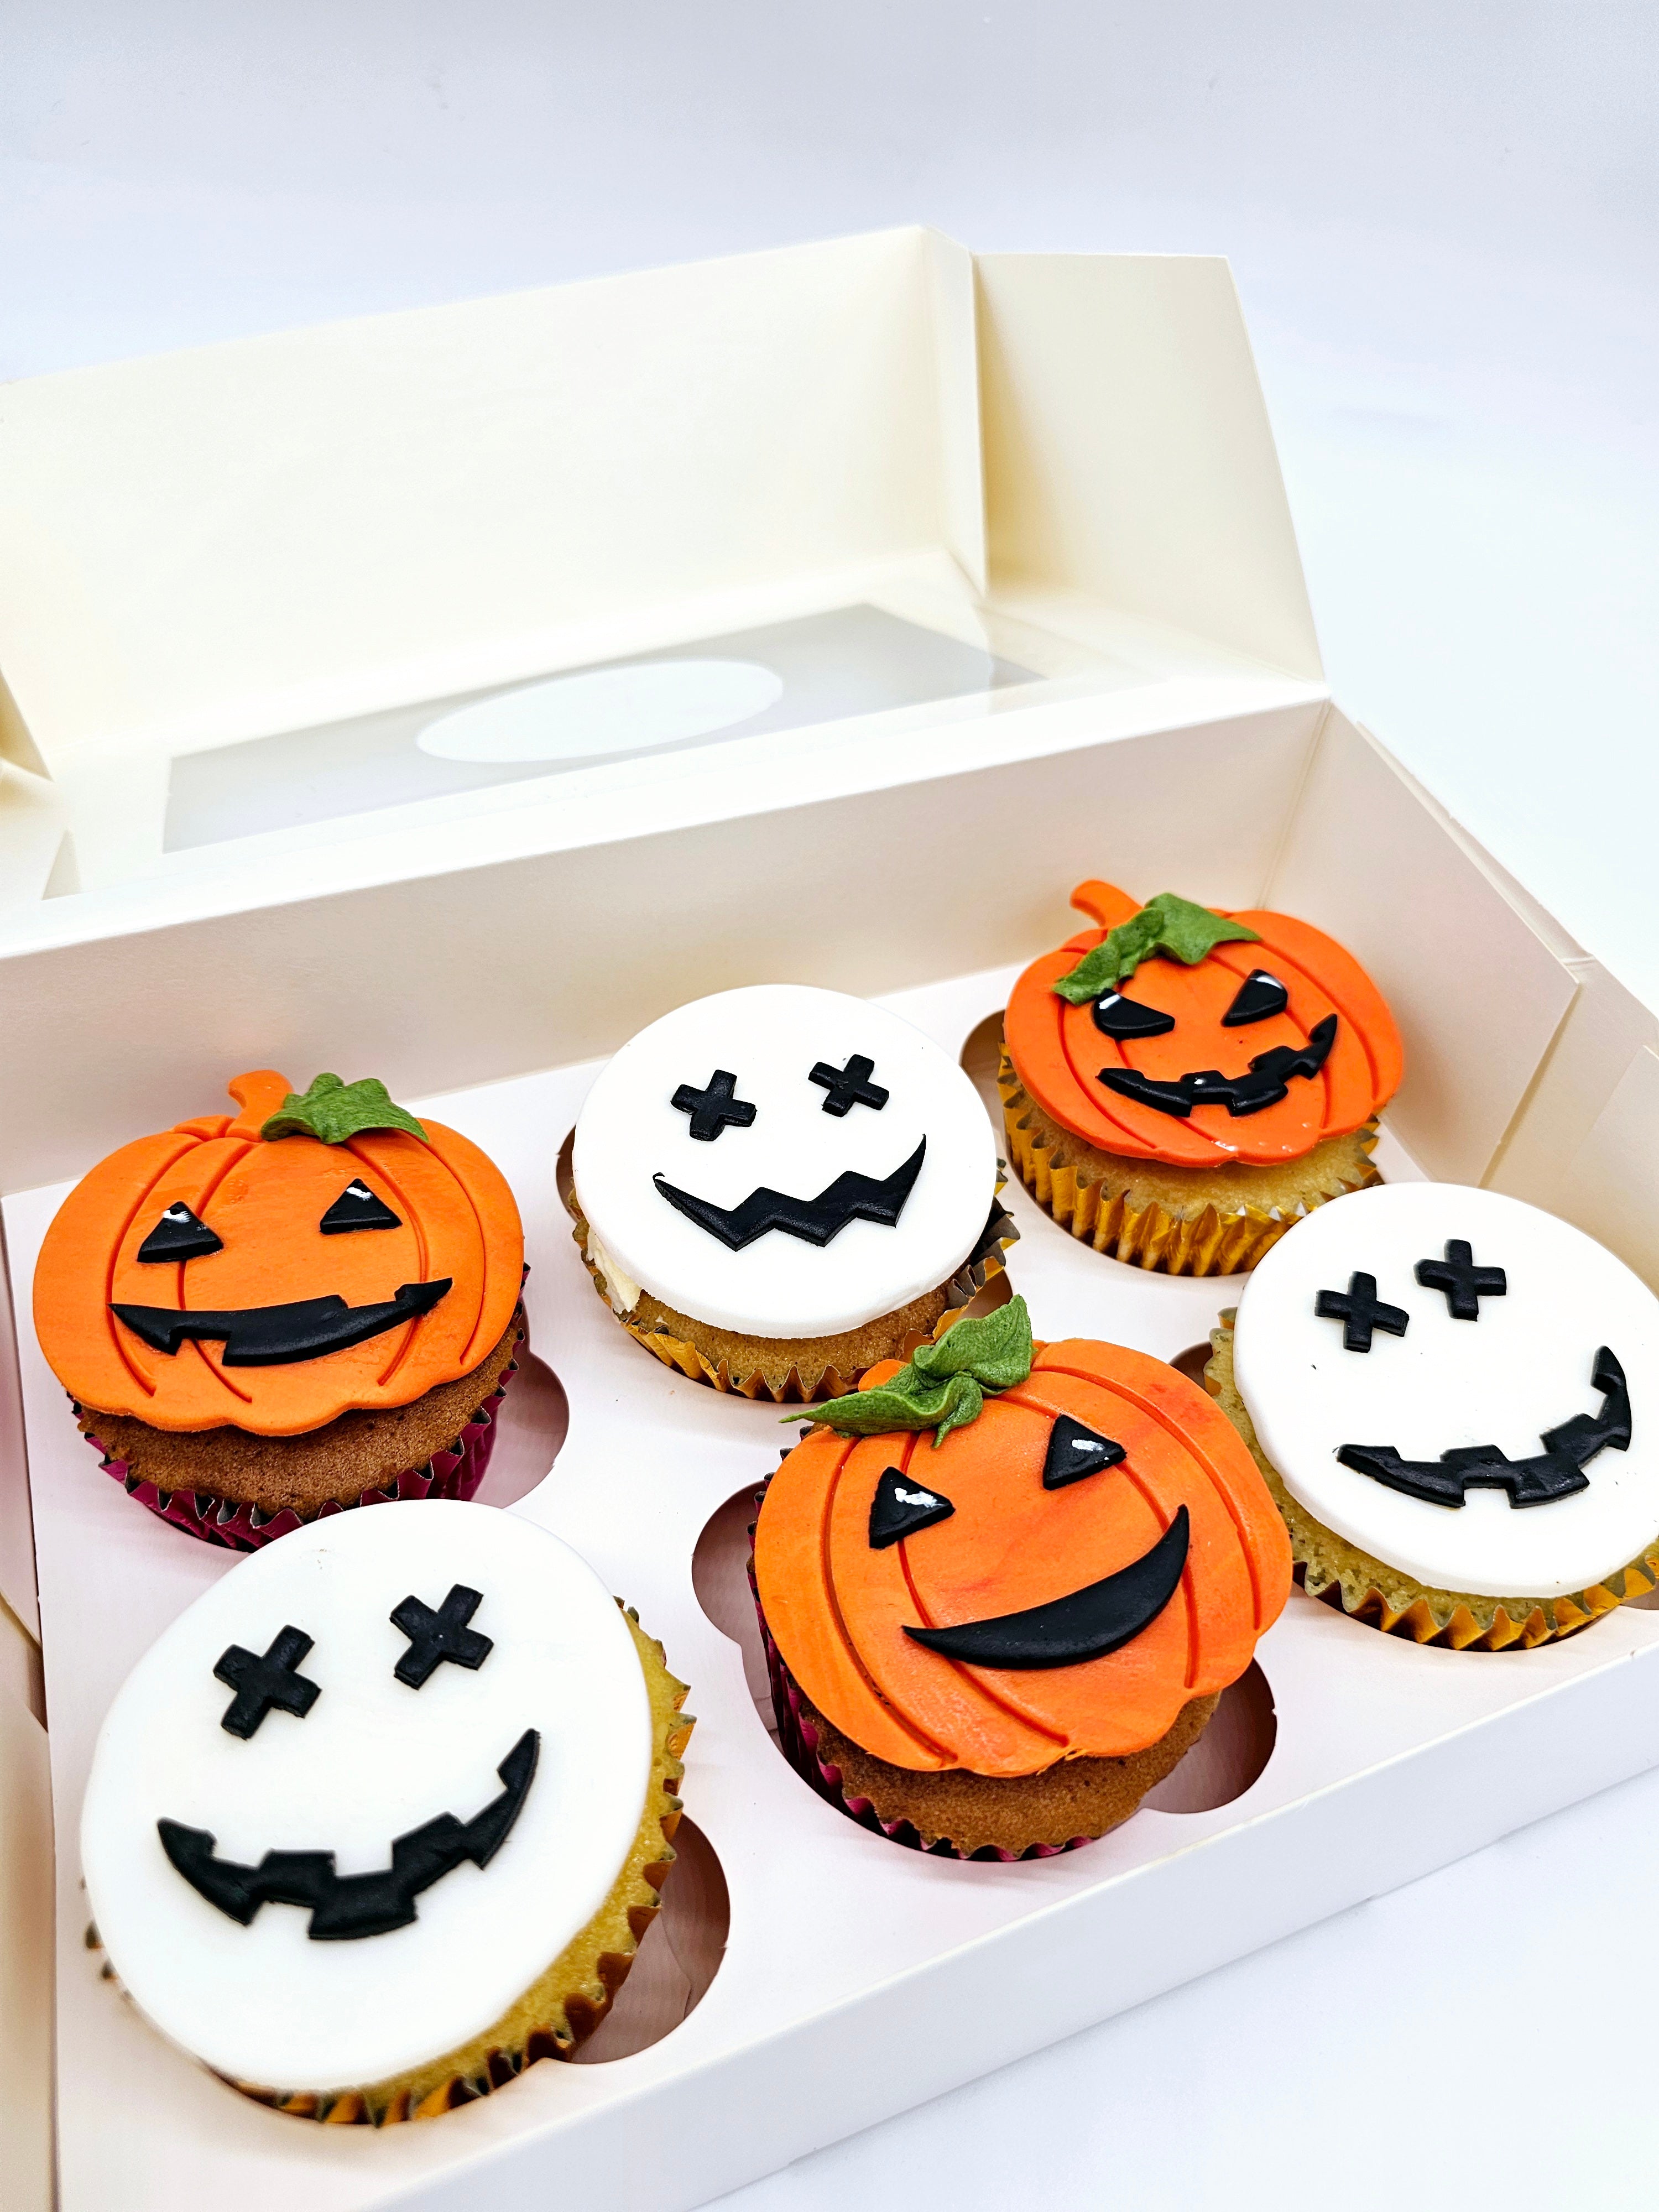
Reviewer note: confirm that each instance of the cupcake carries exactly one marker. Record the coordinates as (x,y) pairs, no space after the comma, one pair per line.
(381,1818)
(777,1188)
(1455,1400)
(1003,1588)
(312,1306)
(1180,1085)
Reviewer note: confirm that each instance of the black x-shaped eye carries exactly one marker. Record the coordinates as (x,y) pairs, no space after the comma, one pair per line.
(848,1086)
(436,1637)
(261,1681)
(1127,1019)
(1259,995)
(179,1235)
(357,1207)
(716,1107)
(1463,1282)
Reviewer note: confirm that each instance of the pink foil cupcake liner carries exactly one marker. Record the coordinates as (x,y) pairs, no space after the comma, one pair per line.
(454,1473)
(798,1739)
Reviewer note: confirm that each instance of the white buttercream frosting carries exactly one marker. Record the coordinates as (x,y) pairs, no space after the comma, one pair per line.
(1523,1367)
(370,1761)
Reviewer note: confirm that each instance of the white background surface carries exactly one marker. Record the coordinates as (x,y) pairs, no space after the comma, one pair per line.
(1442,220)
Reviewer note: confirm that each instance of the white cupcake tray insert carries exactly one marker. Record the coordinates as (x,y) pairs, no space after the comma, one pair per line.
(1103,487)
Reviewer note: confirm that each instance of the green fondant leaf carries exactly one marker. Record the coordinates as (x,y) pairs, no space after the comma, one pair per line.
(335,1111)
(1166,924)
(945,1386)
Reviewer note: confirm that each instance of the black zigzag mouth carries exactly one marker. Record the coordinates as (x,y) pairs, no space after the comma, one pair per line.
(851,1197)
(345,1907)
(1086,1624)
(275,1336)
(1267,1081)
(1556,1472)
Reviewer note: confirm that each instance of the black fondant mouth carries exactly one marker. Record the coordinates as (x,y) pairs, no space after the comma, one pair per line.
(347,1906)
(1556,1472)
(272,1336)
(1088,1624)
(851,1197)
(1267,1081)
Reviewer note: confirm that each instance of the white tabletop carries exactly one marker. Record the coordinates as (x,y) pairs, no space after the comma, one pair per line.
(1442,219)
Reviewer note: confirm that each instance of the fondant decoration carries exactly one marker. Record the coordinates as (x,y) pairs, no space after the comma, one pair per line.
(274,1336)
(335,1112)
(333,1830)
(900,1507)
(716,1107)
(850,1198)
(943,1385)
(357,1207)
(285,1323)
(1114,1016)
(1556,1472)
(178,1236)
(848,1086)
(436,1637)
(1074,1451)
(1460,1413)
(1360,1312)
(1267,1081)
(1088,1624)
(1464,1284)
(1257,997)
(263,1680)
(1166,924)
(1191,1092)
(345,1907)
(873,1208)
(1013,1550)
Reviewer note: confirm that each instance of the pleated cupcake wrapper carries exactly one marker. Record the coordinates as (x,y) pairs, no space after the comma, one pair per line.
(796,1389)
(798,1738)
(240,1527)
(1210,1241)
(1340,1575)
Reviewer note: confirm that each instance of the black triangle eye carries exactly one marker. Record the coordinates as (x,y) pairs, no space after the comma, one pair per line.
(1074,1451)
(357,1207)
(1259,995)
(179,1235)
(902,1506)
(1125,1018)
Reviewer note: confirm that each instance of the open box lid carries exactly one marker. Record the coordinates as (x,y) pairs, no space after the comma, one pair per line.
(1045,483)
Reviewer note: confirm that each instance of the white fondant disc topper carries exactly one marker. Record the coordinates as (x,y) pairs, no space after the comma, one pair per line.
(340,1754)
(825,1163)
(1490,1326)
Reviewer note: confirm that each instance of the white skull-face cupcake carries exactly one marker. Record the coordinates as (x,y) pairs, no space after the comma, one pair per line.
(1455,1399)
(777,1187)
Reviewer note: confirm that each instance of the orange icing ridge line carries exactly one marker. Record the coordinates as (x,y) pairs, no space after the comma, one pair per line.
(974,1677)
(911,1727)
(411,1215)
(117,1242)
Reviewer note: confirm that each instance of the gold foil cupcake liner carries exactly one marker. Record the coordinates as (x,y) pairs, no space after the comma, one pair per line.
(568,2001)
(1163,1218)
(1368,1590)
(755,1371)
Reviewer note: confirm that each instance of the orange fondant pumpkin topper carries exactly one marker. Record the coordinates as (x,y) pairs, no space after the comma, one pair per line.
(1176,1034)
(1056,1578)
(314,1254)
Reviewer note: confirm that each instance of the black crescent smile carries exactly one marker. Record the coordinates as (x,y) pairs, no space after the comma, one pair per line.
(347,1906)
(1267,1081)
(1087,1624)
(271,1336)
(1556,1472)
(850,1198)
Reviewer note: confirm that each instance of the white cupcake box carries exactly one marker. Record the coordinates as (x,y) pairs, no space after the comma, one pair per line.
(1005,541)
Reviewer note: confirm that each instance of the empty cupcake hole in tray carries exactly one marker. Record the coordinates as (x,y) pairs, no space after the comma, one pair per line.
(677,1960)
(530,1431)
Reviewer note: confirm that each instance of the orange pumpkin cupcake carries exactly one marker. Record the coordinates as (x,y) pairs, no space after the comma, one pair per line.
(992,1641)
(263,1319)
(1180,1085)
